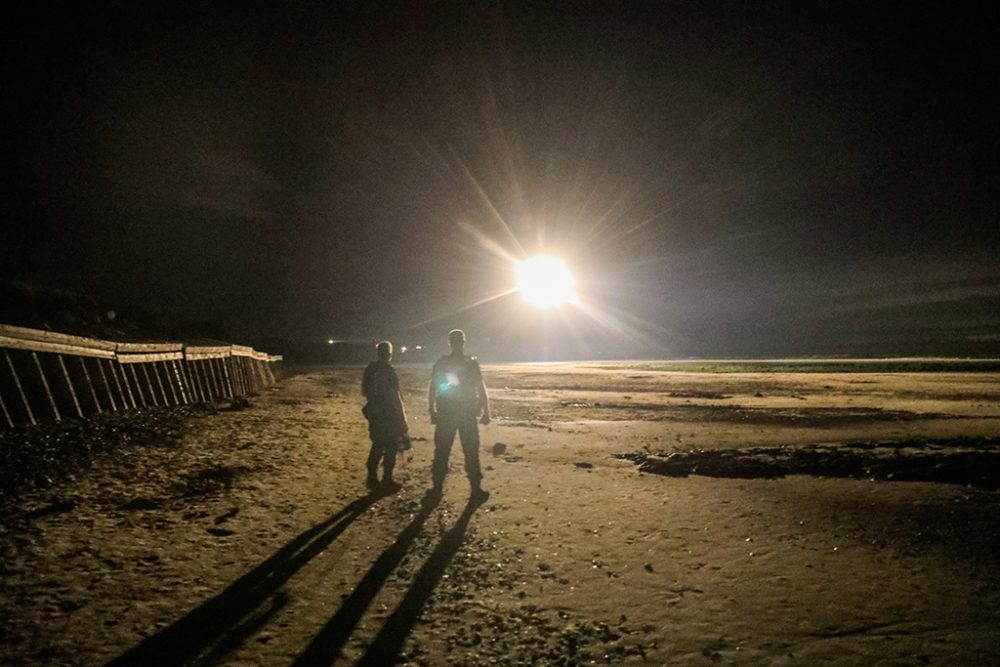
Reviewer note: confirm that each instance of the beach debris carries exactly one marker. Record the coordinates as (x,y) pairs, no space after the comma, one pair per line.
(969,461)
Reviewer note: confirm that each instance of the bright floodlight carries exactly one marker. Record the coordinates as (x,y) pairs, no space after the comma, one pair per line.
(544,281)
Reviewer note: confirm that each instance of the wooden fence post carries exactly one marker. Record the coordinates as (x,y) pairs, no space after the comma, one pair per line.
(233,377)
(107,386)
(224,373)
(138,385)
(6,413)
(45,384)
(206,374)
(209,389)
(213,365)
(149,385)
(179,379)
(90,385)
(237,357)
(120,369)
(209,394)
(160,377)
(20,389)
(168,380)
(215,379)
(159,383)
(171,381)
(69,385)
(247,376)
(193,373)
(217,369)
(260,372)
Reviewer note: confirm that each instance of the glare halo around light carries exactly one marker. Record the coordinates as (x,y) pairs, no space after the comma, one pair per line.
(544,281)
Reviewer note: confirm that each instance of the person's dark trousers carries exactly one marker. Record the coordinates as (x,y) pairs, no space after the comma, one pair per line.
(444,438)
(384,449)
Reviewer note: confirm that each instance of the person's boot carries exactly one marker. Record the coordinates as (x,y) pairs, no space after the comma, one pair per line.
(433,495)
(389,485)
(371,481)
(478,494)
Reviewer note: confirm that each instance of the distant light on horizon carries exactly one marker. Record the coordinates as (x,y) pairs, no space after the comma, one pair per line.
(545,281)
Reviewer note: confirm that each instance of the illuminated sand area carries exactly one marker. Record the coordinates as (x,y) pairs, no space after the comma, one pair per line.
(246,539)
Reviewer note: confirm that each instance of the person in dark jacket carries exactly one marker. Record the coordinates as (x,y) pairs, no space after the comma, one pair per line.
(456,399)
(386,416)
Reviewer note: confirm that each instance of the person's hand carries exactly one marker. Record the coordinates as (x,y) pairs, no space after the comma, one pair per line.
(484,420)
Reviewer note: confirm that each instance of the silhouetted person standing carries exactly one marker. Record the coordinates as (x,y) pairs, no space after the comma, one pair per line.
(456,399)
(386,416)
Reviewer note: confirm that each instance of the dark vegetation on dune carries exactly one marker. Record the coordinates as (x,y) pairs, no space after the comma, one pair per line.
(62,311)
(50,309)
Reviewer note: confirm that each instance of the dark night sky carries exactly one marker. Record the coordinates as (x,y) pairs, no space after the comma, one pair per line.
(723,178)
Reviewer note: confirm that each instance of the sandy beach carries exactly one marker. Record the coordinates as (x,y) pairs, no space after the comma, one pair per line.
(246,537)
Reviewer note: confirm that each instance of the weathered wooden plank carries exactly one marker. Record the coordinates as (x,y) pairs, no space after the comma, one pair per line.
(146,348)
(55,338)
(207,352)
(54,348)
(149,357)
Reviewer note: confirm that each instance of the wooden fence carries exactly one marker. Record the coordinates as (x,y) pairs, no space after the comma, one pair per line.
(51,376)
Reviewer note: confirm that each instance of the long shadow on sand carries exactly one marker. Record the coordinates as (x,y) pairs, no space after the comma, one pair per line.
(221,624)
(387,645)
(326,646)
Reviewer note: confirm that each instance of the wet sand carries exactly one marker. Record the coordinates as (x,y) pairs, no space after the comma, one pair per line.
(246,537)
